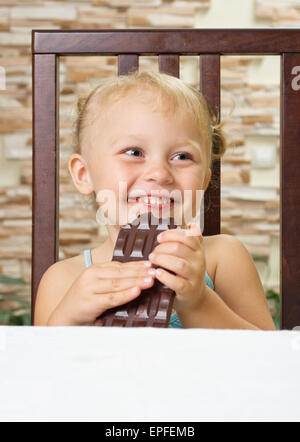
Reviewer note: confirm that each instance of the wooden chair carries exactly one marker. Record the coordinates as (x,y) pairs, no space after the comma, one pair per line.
(168,45)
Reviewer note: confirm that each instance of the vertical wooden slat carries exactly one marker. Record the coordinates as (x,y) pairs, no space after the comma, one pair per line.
(45,185)
(127,63)
(169,64)
(210,85)
(290,190)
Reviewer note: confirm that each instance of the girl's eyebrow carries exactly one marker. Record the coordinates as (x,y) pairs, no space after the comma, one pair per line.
(141,137)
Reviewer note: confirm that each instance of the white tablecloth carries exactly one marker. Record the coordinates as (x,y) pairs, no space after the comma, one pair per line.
(146,374)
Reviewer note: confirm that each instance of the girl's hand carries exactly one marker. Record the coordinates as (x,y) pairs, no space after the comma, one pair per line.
(99,288)
(182,252)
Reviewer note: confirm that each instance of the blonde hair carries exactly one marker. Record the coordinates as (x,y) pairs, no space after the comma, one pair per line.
(171,94)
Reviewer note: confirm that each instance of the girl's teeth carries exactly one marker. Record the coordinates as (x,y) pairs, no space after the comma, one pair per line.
(154,200)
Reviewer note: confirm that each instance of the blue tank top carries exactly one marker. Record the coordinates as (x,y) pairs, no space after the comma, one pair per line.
(174,320)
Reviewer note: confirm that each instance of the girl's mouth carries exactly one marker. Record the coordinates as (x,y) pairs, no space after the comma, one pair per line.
(153,202)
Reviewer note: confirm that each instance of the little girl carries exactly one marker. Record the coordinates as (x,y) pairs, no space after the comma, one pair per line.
(153,133)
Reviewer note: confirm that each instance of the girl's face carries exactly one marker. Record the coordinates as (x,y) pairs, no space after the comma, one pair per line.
(147,152)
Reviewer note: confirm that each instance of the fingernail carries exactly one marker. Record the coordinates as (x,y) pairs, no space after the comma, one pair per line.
(147,280)
(148,264)
(151,256)
(152,272)
(158,272)
(159,237)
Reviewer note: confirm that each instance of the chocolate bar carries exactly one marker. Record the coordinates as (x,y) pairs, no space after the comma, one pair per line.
(153,306)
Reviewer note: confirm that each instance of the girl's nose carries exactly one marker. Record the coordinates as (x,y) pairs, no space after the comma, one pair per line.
(158,172)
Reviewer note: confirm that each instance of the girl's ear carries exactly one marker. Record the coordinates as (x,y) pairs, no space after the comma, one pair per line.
(207,179)
(80,174)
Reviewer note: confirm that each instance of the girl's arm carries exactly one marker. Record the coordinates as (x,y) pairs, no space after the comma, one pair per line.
(239,300)
(52,287)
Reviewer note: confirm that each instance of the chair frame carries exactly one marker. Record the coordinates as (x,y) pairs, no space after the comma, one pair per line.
(168,45)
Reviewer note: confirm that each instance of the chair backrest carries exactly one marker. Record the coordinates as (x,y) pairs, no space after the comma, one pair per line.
(168,45)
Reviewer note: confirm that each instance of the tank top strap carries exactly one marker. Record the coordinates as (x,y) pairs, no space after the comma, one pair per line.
(87,257)
(208,281)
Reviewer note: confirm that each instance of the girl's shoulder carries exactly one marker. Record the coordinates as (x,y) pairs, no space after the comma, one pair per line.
(213,242)
(211,245)
(218,248)
(72,266)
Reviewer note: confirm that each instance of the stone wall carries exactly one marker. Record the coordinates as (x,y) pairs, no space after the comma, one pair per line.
(250,208)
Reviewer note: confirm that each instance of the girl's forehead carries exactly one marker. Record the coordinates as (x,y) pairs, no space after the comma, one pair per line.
(125,111)
(128,106)
(133,101)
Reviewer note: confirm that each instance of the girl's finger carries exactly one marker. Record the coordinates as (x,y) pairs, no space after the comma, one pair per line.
(115,285)
(112,300)
(175,248)
(180,235)
(176,283)
(177,265)
(194,230)
(116,269)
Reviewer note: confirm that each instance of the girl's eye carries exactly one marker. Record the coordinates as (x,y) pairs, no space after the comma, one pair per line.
(134,149)
(189,157)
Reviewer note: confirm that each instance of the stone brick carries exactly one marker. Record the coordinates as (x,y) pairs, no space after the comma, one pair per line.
(232,74)
(15,39)
(26,172)
(84,75)
(4,15)
(24,2)
(40,13)
(14,61)
(286,23)
(11,267)
(238,160)
(4,27)
(18,146)
(198,5)
(21,25)
(166,16)
(11,126)
(17,195)
(8,102)
(16,211)
(90,62)
(250,196)
(73,238)
(282,13)
(128,3)
(258,118)
(16,113)
(263,100)
(98,13)
(13,228)
(22,249)
(231,177)
(232,85)
(229,61)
